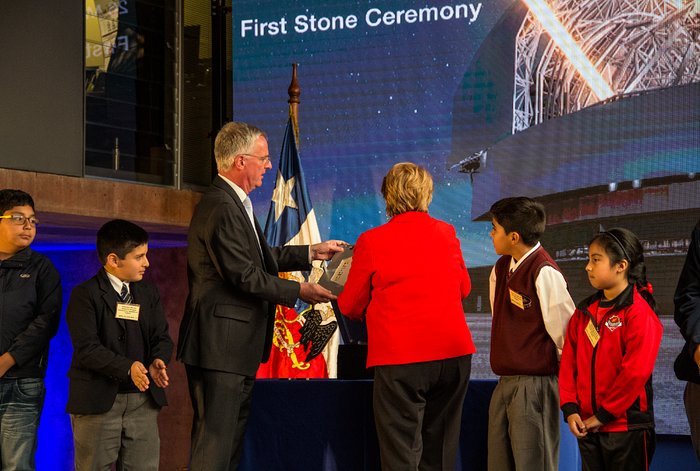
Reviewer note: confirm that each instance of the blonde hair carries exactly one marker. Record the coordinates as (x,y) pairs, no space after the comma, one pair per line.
(233,139)
(407,187)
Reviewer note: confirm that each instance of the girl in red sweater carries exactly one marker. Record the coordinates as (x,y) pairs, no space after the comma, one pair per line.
(611,345)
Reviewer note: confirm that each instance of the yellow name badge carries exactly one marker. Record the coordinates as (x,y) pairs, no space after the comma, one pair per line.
(517,299)
(129,312)
(592,334)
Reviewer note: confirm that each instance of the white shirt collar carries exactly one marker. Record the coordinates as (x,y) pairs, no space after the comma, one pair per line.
(117,283)
(239,191)
(514,265)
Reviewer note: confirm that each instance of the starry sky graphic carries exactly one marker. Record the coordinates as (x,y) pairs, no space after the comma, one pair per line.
(370,97)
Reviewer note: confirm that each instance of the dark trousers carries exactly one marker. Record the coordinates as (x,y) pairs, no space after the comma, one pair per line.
(221,403)
(691,398)
(613,451)
(418,413)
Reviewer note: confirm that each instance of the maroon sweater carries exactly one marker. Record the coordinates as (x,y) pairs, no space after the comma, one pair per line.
(520,344)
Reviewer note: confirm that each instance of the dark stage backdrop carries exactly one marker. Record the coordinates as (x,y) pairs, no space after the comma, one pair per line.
(41,86)
(592,110)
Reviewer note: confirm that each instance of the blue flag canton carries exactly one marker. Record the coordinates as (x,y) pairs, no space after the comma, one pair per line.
(290,204)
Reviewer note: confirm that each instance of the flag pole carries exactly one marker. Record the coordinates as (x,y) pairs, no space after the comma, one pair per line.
(294,92)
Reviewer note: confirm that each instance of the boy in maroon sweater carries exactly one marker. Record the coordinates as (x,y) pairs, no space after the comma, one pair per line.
(531,307)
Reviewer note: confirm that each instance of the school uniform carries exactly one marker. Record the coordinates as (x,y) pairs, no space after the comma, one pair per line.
(609,355)
(531,307)
(104,404)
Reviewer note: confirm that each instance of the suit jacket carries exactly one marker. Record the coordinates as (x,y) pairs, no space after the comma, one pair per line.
(687,311)
(408,278)
(99,360)
(234,286)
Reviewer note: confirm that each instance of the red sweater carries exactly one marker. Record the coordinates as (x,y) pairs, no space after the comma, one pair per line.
(613,379)
(408,278)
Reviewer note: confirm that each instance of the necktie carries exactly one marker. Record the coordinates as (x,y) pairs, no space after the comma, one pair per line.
(125,295)
(248,205)
(134,340)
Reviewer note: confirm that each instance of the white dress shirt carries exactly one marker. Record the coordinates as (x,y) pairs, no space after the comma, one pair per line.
(555,301)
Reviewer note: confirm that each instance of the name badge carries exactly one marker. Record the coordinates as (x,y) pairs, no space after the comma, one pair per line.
(129,312)
(517,299)
(593,335)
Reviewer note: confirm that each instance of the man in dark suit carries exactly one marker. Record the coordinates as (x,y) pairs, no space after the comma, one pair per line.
(117,327)
(234,286)
(687,316)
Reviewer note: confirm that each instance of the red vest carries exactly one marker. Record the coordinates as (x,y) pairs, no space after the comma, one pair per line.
(520,344)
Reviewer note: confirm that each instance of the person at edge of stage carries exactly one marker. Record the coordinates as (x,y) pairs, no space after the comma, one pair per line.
(687,317)
(30,303)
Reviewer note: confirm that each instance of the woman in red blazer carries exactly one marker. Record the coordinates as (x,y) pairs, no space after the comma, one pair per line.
(408,279)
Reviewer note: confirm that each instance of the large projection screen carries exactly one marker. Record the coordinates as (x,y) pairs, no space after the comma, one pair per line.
(592,110)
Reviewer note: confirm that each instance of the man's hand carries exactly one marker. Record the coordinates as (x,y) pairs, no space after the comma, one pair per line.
(325,250)
(576,426)
(138,374)
(313,293)
(7,361)
(159,373)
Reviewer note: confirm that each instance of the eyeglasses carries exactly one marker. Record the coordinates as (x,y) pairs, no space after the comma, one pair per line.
(263,160)
(20,220)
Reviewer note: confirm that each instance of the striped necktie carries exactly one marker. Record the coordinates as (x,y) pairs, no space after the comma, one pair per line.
(125,295)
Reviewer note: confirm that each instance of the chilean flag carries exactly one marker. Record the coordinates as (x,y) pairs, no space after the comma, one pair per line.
(291,221)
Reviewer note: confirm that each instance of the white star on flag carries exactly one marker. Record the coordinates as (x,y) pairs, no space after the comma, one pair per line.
(282,195)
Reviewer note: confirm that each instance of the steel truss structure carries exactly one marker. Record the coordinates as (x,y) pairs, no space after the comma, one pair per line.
(632,45)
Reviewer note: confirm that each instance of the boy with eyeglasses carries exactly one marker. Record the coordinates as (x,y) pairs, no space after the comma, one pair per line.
(30,310)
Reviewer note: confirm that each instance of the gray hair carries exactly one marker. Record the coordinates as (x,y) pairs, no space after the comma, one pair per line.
(233,139)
